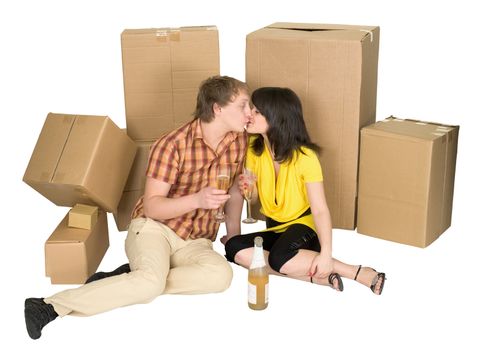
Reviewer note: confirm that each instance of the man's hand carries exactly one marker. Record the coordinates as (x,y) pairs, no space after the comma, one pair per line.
(211,198)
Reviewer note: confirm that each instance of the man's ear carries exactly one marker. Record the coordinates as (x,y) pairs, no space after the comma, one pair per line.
(216,109)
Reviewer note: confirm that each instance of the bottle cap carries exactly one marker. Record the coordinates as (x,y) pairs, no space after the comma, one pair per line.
(258,241)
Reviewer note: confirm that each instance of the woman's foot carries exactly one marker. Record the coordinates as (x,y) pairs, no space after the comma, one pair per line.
(370,278)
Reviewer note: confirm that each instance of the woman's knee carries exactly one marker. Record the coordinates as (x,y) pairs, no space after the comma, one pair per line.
(234,248)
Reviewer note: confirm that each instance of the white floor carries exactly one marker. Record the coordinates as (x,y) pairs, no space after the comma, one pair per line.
(66,59)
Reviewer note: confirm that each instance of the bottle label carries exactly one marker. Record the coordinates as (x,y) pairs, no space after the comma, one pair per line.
(266,293)
(252,293)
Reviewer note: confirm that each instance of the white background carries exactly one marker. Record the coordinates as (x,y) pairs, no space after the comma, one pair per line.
(65,57)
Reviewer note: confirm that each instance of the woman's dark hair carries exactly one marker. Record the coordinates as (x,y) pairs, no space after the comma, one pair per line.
(286,128)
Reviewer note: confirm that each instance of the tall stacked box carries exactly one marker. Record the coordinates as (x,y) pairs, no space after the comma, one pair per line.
(333,69)
(162,70)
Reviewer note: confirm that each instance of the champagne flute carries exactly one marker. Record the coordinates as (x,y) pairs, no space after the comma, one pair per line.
(248,193)
(223,182)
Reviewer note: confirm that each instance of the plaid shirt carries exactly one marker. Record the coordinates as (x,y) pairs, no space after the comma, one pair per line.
(183,159)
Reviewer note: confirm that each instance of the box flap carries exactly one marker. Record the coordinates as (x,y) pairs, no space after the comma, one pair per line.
(411,128)
(77,155)
(147,36)
(325,31)
(49,148)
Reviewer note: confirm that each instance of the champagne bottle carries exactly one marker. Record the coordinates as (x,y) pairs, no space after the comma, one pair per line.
(258,278)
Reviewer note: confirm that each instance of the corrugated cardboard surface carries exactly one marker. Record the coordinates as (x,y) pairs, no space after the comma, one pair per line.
(135,185)
(73,254)
(162,70)
(80,159)
(333,69)
(125,207)
(406,180)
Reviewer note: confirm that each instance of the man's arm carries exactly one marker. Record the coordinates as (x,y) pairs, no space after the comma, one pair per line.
(157,206)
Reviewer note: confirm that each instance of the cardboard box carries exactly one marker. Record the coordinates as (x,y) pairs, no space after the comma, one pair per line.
(80,159)
(123,216)
(83,216)
(73,254)
(407,172)
(333,69)
(162,71)
(135,185)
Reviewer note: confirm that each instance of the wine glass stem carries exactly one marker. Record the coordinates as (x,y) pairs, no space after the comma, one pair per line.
(248,209)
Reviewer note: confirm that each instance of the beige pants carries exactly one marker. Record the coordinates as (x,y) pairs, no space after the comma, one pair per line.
(161,263)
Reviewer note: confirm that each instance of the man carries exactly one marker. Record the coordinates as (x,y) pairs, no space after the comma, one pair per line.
(169,241)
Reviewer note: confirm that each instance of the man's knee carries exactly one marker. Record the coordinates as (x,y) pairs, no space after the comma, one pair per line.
(220,275)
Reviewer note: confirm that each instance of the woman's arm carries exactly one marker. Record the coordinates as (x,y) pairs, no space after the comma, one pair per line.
(322,266)
(233,212)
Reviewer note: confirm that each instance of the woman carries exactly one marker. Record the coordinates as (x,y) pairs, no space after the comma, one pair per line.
(298,238)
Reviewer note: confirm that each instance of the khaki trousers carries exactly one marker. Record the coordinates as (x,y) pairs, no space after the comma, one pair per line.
(161,263)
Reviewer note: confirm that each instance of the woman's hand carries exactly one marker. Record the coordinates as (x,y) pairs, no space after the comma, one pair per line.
(322,266)
(244,180)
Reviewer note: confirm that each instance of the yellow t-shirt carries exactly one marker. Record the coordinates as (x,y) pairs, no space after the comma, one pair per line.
(285,198)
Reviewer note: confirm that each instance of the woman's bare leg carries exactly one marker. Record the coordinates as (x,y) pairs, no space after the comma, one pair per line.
(298,268)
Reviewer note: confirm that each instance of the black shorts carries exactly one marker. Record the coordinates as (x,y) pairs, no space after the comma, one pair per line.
(282,246)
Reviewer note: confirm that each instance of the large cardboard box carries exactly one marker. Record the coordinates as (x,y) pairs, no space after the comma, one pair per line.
(407,172)
(73,254)
(135,185)
(80,159)
(333,69)
(162,70)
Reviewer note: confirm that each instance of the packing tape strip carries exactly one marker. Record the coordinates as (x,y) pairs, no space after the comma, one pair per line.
(171,34)
(368,32)
(161,35)
(439,133)
(174,35)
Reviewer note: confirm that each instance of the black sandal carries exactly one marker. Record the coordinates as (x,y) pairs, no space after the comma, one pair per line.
(331,278)
(380,276)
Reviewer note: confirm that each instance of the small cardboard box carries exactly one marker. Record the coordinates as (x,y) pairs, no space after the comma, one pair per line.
(73,254)
(135,185)
(333,69)
(162,70)
(80,159)
(83,216)
(406,180)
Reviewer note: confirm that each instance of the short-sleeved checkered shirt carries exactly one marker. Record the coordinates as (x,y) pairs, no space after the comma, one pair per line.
(182,159)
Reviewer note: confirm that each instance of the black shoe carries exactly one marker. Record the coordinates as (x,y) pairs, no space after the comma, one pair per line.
(125,268)
(37,315)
